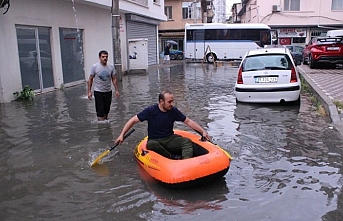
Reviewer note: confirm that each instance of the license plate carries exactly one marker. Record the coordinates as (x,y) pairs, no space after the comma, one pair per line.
(332,48)
(266,79)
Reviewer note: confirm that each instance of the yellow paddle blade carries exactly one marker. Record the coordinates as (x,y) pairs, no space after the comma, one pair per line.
(100,157)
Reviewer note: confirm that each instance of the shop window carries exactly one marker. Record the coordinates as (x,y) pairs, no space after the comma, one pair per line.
(71,42)
(35,58)
(299,40)
(318,33)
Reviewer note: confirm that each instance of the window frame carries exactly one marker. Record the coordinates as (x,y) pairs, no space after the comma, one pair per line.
(187,10)
(291,5)
(336,5)
(168,11)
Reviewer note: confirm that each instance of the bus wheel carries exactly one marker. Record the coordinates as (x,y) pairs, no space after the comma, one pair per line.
(211,57)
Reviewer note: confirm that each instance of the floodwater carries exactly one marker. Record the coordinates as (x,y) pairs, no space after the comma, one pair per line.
(286,159)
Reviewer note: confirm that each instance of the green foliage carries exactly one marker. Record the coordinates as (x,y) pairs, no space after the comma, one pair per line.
(26,94)
(339,105)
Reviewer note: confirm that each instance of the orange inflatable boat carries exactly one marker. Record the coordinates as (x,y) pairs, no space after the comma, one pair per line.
(209,163)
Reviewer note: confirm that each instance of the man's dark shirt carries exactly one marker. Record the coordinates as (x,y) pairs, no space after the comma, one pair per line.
(160,124)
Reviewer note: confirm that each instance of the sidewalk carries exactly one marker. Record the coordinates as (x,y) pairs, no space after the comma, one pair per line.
(327,86)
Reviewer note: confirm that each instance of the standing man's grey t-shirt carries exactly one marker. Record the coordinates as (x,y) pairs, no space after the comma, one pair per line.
(102,76)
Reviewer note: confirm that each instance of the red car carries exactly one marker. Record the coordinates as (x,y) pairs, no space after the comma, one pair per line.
(327,50)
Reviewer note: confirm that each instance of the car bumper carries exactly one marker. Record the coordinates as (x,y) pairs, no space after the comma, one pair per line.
(268,95)
(329,59)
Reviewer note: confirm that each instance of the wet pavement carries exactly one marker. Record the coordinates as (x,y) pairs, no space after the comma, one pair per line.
(326,83)
(287,161)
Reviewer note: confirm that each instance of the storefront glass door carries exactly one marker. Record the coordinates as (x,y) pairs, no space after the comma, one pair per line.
(72,55)
(35,57)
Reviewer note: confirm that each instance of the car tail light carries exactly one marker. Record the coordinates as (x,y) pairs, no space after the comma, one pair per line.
(293,76)
(240,77)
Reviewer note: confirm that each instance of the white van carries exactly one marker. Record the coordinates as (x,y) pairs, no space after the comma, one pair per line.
(335,33)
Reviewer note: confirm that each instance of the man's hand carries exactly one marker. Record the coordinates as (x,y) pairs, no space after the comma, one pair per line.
(119,140)
(90,95)
(117,93)
(205,134)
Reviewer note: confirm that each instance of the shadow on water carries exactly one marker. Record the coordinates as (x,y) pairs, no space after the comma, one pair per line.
(285,157)
(187,201)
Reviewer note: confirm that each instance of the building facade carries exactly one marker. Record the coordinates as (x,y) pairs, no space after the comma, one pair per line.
(180,12)
(49,44)
(220,11)
(294,22)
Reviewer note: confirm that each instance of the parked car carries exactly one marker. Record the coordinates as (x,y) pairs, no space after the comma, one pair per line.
(297,53)
(327,50)
(268,75)
(174,55)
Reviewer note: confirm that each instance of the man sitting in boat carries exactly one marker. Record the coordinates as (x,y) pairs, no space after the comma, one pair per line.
(161,137)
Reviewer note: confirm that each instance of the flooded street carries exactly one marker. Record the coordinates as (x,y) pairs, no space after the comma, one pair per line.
(286,160)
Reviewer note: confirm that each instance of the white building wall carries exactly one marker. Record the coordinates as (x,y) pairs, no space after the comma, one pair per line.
(312,12)
(313,16)
(95,22)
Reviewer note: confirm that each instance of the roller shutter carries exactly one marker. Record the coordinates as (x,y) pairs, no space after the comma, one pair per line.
(143,30)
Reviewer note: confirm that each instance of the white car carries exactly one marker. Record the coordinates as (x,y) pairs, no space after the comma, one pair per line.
(268,75)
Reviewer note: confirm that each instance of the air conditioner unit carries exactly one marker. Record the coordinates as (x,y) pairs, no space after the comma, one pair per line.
(276,8)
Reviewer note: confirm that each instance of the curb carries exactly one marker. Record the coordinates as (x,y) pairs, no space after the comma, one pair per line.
(327,103)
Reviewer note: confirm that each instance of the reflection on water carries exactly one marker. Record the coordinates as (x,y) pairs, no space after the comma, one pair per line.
(287,152)
(285,157)
(186,201)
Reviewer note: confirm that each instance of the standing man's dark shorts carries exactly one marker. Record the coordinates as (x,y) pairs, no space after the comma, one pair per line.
(102,102)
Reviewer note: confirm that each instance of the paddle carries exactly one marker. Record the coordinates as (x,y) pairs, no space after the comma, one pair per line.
(107,151)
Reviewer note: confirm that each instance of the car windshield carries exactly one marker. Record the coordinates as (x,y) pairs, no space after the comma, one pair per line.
(267,62)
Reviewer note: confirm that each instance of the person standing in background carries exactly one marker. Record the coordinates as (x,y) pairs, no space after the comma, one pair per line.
(102,74)
(166,58)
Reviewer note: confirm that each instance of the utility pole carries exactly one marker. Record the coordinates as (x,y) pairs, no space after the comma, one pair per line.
(116,38)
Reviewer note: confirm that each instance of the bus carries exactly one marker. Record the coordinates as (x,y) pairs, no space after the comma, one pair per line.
(335,33)
(218,41)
